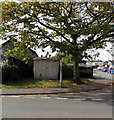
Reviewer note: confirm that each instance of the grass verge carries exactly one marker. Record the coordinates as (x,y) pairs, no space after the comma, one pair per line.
(36,83)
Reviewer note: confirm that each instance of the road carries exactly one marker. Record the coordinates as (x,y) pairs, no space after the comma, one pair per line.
(103,75)
(97,104)
(54,107)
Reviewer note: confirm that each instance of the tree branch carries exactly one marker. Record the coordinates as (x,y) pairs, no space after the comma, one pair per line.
(70,11)
(111,17)
(45,35)
(89,9)
(49,27)
(100,38)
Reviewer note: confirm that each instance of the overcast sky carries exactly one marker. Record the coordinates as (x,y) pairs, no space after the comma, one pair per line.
(104,55)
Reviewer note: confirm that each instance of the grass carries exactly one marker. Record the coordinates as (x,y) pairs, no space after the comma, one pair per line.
(36,83)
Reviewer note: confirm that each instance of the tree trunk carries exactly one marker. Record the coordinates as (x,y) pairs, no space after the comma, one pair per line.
(76,72)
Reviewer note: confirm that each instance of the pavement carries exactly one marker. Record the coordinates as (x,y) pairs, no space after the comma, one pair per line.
(98,84)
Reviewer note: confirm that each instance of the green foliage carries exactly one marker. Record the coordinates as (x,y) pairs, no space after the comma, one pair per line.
(65,59)
(21,52)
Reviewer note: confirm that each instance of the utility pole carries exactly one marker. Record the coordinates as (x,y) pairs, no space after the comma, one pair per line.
(61,57)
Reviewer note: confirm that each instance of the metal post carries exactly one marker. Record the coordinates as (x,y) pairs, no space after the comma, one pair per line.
(60,74)
(61,58)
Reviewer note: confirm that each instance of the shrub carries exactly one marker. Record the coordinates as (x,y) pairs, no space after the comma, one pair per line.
(16,71)
(85,72)
(67,71)
(10,73)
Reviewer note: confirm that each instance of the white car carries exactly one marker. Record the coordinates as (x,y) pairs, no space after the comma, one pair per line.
(100,68)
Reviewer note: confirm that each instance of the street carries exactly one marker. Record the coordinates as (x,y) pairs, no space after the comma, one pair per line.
(96,104)
(102,75)
(54,107)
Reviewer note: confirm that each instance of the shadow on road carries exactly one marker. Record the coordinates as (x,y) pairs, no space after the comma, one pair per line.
(104,96)
(99,75)
(99,78)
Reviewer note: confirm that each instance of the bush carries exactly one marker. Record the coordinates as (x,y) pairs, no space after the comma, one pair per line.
(85,72)
(16,70)
(67,72)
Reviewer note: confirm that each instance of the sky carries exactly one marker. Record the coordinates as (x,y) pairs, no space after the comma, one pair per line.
(104,55)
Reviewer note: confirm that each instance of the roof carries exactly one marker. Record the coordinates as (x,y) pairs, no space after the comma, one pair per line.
(5,43)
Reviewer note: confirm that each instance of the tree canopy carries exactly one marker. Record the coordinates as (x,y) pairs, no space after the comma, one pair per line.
(70,27)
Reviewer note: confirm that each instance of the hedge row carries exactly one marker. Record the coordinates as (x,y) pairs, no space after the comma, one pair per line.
(16,70)
(12,73)
(85,72)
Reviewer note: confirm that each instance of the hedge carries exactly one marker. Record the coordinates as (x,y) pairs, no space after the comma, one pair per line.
(85,72)
(16,70)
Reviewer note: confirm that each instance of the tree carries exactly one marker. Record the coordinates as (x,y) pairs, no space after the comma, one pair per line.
(71,27)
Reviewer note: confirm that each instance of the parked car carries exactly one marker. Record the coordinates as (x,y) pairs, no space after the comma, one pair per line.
(111,69)
(100,68)
(105,69)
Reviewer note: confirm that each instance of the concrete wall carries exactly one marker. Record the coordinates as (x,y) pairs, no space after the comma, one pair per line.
(45,68)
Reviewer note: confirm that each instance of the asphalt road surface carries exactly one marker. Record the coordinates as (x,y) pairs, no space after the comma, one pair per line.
(54,107)
(102,75)
(97,104)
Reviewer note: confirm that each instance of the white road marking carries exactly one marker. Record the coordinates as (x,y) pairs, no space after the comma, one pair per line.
(97,99)
(46,97)
(61,98)
(83,99)
(29,97)
(77,99)
(11,96)
(70,93)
